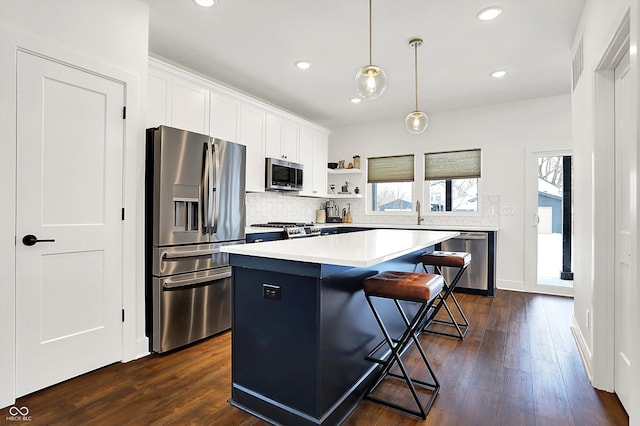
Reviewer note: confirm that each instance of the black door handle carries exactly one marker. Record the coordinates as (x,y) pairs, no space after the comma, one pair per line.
(31,240)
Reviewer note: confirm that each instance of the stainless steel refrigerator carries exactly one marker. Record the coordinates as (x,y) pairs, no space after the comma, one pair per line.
(195,204)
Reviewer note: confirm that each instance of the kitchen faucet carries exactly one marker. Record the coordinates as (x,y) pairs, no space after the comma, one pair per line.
(420,218)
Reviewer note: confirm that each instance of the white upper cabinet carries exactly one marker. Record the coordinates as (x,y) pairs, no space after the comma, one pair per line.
(320,158)
(190,106)
(313,155)
(159,88)
(282,139)
(252,135)
(225,117)
(181,99)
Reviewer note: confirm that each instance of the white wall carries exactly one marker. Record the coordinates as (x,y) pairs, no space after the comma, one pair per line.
(594,209)
(593,164)
(110,33)
(504,132)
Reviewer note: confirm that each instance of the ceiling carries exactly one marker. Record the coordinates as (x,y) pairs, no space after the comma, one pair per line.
(252,45)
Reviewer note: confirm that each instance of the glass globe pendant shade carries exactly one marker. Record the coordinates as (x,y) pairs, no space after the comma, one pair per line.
(371,82)
(416,122)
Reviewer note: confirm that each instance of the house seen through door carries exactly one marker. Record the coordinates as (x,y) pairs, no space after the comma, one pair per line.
(554,269)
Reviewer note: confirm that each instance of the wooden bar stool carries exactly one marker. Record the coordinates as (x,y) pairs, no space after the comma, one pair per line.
(440,259)
(412,287)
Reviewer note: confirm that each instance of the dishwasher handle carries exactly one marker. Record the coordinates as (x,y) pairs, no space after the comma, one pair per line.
(471,236)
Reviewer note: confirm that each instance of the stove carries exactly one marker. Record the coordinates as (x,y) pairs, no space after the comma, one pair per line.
(294,229)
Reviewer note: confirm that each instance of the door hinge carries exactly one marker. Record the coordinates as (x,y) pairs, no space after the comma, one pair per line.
(123,213)
(123,315)
(124,112)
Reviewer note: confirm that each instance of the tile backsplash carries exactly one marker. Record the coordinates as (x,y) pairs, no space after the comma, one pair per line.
(265,207)
(285,207)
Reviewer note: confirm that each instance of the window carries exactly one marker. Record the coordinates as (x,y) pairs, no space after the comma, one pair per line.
(452,180)
(390,182)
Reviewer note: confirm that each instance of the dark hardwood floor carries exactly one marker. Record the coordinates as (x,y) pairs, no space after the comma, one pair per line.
(518,365)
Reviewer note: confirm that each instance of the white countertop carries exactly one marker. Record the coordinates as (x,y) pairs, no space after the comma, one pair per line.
(355,249)
(464,228)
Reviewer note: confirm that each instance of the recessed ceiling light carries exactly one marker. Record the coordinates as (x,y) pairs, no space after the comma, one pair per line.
(489,13)
(355,100)
(205,3)
(498,74)
(303,65)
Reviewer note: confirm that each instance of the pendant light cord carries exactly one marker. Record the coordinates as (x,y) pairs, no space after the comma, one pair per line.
(416,71)
(370,37)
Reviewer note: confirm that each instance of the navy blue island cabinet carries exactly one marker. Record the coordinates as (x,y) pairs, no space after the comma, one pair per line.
(301,325)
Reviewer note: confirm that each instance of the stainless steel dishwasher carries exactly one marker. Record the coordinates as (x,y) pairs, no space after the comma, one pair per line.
(476,276)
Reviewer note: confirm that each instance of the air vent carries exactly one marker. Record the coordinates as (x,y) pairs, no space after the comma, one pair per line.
(577,65)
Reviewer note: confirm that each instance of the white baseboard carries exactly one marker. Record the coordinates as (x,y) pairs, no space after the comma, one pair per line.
(510,285)
(583,348)
(142,347)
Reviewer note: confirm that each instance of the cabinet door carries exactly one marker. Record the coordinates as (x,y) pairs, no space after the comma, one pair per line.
(306,158)
(320,158)
(190,106)
(282,139)
(252,135)
(158,98)
(289,144)
(225,117)
(273,137)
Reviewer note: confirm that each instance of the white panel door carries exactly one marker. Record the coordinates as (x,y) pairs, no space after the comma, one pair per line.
(70,135)
(623,140)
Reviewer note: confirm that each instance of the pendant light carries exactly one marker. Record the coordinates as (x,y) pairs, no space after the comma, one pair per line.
(371,80)
(417,121)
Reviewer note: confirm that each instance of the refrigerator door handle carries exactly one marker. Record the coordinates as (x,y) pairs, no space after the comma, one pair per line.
(211,189)
(214,187)
(204,189)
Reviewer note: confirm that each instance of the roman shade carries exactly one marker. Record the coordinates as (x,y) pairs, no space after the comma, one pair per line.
(390,169)
(452,165)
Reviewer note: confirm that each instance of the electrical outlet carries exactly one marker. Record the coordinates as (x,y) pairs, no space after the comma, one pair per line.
(272,292)
(507,210)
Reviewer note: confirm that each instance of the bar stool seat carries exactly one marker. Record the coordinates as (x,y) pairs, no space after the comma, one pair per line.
(411,287)
(439,260)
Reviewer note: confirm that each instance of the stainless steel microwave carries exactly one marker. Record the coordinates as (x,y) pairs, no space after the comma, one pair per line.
(282,175)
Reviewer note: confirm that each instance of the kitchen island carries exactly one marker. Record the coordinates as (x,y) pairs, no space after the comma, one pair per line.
(301,326)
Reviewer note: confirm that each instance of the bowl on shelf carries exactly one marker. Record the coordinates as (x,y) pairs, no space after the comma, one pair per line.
(332,165)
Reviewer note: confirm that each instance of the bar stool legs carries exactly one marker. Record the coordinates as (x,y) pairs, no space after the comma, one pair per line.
(438,260)
(409,336)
